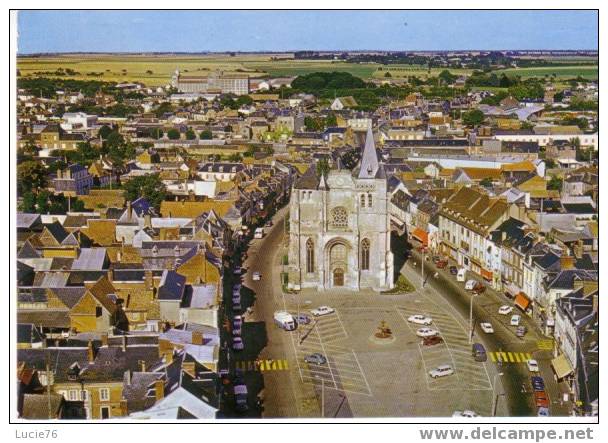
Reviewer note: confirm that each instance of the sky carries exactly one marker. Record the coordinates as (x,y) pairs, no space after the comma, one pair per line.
(201,31)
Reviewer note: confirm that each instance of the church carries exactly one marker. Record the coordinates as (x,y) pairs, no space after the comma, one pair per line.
(339,227)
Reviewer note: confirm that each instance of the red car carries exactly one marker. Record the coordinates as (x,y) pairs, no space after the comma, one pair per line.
(441,264)
(431,341)
(540,399)
(479,288)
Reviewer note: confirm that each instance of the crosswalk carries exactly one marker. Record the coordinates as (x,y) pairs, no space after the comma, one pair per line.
(509,357)
(262,365)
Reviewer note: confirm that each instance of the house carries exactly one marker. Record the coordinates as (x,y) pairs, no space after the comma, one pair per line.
(341,103)
(466,219)
(73,180)
(170,294)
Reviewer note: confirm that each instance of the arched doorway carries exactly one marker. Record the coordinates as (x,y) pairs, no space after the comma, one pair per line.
(338,277)
(338,259)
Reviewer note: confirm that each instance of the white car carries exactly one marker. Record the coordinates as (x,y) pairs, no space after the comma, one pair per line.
(441,371)
(515,320)
(322,310)
(256,276)
(533,366)
(466,414)
(237,271)
(470,284)
(487,327)
(505,309)
(420,319)
(426,332)
(237,344)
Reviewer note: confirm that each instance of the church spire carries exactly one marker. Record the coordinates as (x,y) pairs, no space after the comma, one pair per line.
(369,159)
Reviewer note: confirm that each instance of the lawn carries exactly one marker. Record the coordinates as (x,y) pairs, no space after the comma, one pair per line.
(590,72)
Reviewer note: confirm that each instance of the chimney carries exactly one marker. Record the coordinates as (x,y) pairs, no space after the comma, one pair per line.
(147,221)
(142,365)
(129,209)
(566,262)
(169,357)
(90,352)
(110,275)
(578,248)
(129,375)
(159,389)
(104,339)
(197,338)
(595,303)
(124,343)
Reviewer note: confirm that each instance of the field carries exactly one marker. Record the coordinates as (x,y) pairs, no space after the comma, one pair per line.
(156,70)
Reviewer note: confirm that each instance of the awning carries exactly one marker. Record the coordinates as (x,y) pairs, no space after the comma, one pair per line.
(421,235)
(561,366)
(486,274)
(522,301)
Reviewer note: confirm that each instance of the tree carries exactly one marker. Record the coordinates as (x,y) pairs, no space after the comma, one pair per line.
(156,133)
(236,157)
(447,77)
(486,182)
(322,167)
(555,183)
(387,74)
(173,134)
(331,120)
(113,140)
(190,134)
(104,131)
(150,187)
(31,177)
(473,118)
(206,135)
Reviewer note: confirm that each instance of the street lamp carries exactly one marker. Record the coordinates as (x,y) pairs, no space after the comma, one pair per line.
(473,295)
(494,395)
(322,395)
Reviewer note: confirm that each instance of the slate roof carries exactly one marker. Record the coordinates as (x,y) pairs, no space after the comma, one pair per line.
(90,259)
(172,286)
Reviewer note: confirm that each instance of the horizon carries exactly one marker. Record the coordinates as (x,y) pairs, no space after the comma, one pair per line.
(132,32)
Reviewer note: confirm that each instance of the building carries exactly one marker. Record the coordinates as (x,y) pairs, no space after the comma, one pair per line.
(73,180)
(465,222)
(340,227)
(215,82)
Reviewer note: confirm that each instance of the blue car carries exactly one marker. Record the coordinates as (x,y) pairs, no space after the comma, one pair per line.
(538,384)
(303,319)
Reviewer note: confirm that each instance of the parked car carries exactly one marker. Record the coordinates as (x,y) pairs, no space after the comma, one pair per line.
(268,224)
(322,310)
(237,271)
(303,319)
(236,307)
(240,397)
(256,276)
(465,414)
(237,344)
(479,352)
(487,327)
(540,399)
(316,358)
(441,371)
(505,309)
(420,319)
(521,331)
(442,264)
(237,321)
(426,332)
(543,412)
(432,341)
(533,366)
(515,319)
(453,270)
(479,288)
(470,284)
(538,384)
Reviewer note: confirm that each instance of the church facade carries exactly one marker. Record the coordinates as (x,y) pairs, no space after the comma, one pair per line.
(339,233)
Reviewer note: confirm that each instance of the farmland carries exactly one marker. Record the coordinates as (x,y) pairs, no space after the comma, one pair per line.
(156,70)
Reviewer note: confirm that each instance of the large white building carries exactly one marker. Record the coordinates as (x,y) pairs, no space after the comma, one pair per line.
(340,228)
(216,82)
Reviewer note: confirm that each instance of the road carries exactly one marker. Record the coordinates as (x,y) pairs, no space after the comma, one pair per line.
(485,308)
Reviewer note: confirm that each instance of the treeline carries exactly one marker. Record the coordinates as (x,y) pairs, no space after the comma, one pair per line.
(48,87)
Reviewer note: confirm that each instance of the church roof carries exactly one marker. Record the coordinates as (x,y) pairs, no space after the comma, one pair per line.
(370,167)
